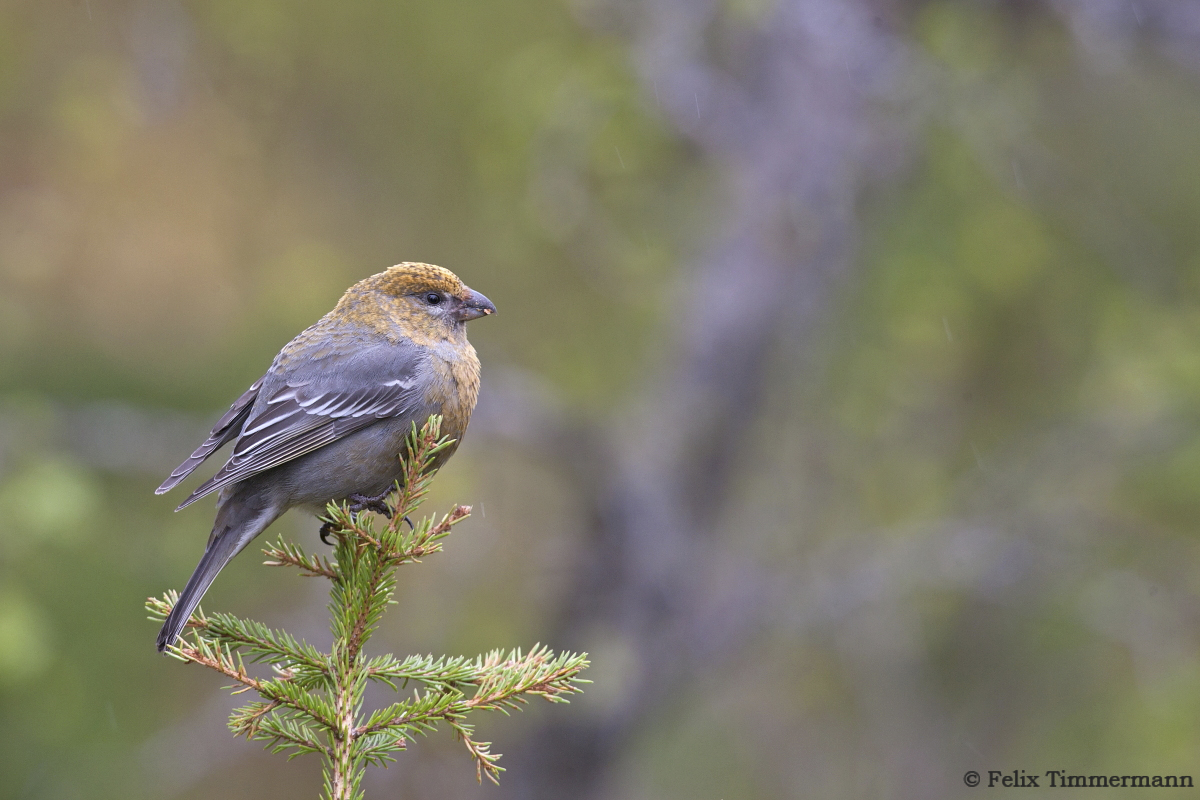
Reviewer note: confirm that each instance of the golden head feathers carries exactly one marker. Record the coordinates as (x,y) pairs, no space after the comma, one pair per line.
(421,302)
(412,277)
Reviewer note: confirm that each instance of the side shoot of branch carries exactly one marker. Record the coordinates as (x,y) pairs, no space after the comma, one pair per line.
(311,701)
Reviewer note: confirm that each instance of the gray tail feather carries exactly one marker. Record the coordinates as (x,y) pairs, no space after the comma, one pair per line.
(222,547)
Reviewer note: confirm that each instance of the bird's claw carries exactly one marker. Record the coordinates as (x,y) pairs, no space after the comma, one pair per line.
(363,503)
(359,503)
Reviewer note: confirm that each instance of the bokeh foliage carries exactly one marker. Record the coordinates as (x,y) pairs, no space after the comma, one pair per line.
(973,487)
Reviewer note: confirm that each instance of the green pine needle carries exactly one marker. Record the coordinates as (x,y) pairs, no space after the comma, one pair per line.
(311,702)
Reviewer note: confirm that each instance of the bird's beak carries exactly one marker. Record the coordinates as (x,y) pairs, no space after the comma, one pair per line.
(475,306)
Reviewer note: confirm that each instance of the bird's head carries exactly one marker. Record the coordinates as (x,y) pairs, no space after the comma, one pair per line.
(430,299)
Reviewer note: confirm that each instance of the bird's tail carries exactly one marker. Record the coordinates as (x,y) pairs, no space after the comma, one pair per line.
(236,526)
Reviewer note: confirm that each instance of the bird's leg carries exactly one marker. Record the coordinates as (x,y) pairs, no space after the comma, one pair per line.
(360,502)
(376,504)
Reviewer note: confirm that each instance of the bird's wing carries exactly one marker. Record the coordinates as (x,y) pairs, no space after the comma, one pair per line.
(302,416)
(226,429)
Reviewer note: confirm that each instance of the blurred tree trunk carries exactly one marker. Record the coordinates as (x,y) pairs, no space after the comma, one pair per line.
(785,102)
(782,105)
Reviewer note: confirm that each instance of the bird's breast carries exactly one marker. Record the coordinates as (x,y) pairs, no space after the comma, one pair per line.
(453,385)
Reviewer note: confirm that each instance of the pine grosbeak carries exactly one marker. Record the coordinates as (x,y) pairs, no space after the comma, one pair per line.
(328,420)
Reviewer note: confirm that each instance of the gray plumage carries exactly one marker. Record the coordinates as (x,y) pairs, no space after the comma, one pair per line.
(329,418)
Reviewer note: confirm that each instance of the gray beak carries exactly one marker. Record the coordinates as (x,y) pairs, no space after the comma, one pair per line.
(474,306)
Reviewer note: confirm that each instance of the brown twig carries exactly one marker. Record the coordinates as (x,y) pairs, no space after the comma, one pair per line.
(194,655)
(319,568)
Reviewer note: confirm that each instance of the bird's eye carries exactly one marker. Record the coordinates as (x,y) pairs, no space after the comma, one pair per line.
(433,298)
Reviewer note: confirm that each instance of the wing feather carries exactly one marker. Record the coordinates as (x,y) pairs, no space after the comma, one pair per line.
(299,419)
(227,428)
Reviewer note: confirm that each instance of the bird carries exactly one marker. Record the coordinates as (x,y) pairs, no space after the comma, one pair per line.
(328,420)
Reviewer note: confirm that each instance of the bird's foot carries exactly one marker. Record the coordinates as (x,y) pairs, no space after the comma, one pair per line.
(376,504)
(359,503)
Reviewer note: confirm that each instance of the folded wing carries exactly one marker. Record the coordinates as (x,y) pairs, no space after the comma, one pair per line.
(301,417)
(226,429)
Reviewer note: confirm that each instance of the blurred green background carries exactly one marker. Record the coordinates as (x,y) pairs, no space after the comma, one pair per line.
(890,309)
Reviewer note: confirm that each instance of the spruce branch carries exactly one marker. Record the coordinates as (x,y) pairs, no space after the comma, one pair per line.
(312,701)
(286,554)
